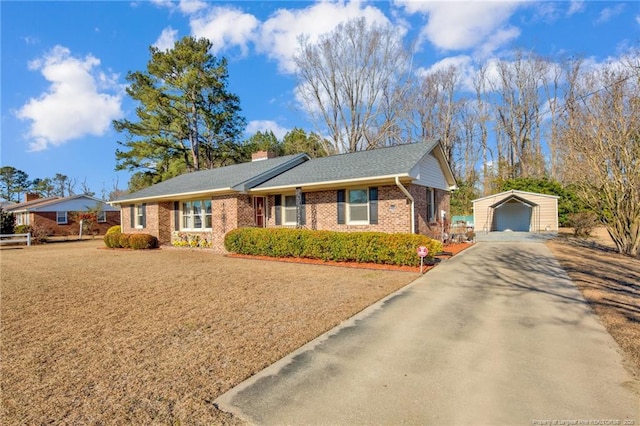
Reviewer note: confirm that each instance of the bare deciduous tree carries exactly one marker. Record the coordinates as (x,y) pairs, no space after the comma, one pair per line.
(349,84)
(438,108)
(517,113)
(483,117)
(601,148)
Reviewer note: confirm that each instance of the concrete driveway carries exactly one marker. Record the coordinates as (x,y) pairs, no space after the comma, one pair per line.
(498,335)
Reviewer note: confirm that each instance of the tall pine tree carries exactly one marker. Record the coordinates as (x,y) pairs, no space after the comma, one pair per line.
(186,118)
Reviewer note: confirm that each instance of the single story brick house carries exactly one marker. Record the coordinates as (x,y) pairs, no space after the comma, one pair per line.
(57,215)
(518,211)
(403,188)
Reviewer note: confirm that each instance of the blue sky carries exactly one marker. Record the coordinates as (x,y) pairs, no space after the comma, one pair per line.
(63,64)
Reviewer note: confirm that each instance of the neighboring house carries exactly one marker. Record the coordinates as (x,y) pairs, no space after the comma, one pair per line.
(58,215)
(516,211)
(395,189)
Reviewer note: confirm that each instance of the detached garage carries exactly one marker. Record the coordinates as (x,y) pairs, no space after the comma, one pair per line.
(517,211)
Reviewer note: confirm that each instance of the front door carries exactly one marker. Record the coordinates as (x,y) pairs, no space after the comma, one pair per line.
(258,210)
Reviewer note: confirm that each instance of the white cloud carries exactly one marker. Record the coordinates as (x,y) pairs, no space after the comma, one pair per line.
(225,27)
(277,37)
(73,106)
(191,6)
(638,19)
(609,12)
(575,6)
(167,39)
(265,125)
(463,25)
(279,34)
(496,40)
(164,3)
(464,65)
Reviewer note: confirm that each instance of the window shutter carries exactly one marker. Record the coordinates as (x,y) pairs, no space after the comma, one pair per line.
(278,204)
(144,215)
(176,216)
(303,210)
(132,214)
(373,205)
(341,193)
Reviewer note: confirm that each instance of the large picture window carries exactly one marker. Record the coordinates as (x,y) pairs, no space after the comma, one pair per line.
(196,215)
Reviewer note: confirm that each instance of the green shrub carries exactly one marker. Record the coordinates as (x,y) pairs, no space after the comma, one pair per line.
(7,223)
(116,229)
(364,247)
(22,229)
(112,240)
(132,241)
(123,240)
(142,241)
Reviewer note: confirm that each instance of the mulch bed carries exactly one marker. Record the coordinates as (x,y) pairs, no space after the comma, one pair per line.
(448,251)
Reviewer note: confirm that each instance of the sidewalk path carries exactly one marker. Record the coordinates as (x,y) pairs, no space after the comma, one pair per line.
(497,335)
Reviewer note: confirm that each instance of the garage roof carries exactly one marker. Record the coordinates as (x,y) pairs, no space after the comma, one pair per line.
(513,197)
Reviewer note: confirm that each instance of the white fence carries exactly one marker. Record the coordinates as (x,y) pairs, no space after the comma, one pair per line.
(15,238)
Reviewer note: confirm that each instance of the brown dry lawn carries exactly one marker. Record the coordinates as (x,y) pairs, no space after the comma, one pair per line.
(97,336)
(610,282)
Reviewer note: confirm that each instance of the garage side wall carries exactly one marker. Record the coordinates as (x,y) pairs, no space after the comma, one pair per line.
(548,211)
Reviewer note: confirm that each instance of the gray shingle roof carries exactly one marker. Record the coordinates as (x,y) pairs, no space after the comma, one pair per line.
(395,160)
(238,176)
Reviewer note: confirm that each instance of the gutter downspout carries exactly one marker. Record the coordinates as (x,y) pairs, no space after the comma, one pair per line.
(413,202)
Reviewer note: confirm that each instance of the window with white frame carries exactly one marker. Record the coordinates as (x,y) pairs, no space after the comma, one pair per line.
(61,218)
(102,216)
(196,215)
(289,210)
(140,215)
(358,211)
(431,205)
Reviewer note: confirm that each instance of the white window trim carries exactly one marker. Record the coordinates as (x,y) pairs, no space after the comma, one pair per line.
(284,210)
(203,216)
(348,207)
(66,219)
(431,204)
(103,218)
(138,218)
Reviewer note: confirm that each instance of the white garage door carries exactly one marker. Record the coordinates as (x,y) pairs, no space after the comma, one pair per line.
(514,216)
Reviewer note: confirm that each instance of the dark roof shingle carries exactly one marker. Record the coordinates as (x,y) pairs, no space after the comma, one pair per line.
(228,177)
(394,160)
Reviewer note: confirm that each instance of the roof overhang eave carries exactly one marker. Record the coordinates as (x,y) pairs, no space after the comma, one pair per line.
(514,198)
(314,186)
(174,197)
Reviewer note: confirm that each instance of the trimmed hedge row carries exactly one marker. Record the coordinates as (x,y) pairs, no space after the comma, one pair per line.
(363,247)
(132,241)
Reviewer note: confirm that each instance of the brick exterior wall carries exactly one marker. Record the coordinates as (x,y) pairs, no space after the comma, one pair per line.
(48,221)
(394,211)
(431,228)
(236,210)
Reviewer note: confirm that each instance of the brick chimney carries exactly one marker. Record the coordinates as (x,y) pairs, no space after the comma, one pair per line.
(262,155)
(30,196)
